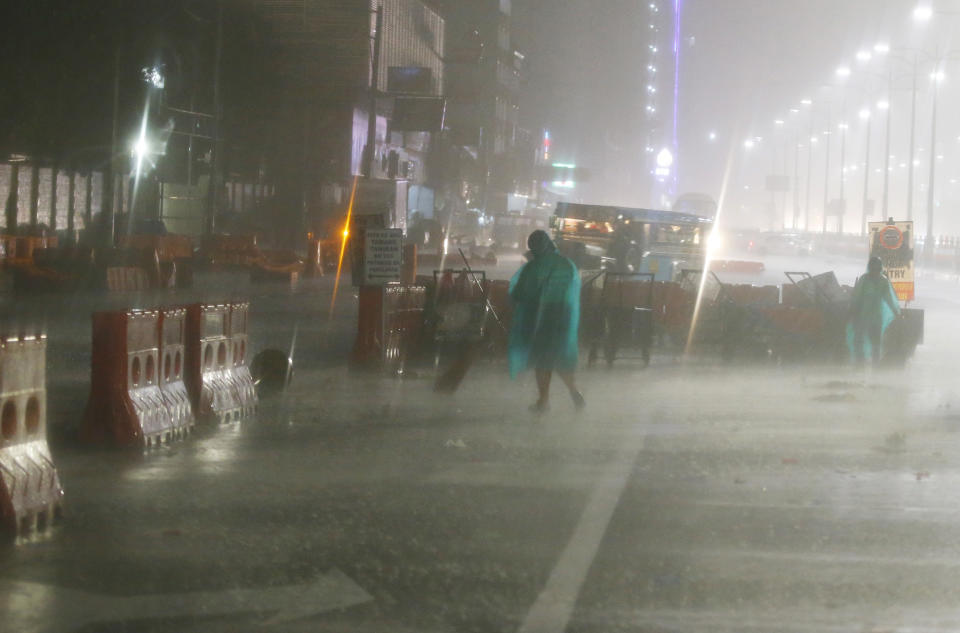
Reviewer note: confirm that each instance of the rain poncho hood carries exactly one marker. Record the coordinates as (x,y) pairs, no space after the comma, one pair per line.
(874,303)
(546,310)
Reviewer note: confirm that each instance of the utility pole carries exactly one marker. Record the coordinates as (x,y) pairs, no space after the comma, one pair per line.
(368,149)
(216,161)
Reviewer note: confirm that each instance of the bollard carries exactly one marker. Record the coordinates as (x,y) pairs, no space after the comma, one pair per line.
(173,332)
(239,372)
(126,406)
(30,491)
(209,359)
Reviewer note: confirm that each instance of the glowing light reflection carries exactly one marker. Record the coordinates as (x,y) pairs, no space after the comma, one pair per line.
(343,244)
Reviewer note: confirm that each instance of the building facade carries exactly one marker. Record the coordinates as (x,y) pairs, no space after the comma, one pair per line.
(484,70)
(323,51)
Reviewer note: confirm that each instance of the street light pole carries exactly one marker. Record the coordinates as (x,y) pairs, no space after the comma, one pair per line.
(806,211)
(826,178)
(933,163)
(843,177)
(886,167)
(866,180)
(796,178)
(913,135)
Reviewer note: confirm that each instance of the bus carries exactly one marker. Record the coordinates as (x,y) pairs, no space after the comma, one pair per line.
(623,239)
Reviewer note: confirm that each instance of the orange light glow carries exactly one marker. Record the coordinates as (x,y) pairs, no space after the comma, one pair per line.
(343,243)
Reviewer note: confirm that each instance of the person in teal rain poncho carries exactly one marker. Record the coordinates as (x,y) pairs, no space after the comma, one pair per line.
(546,318)
(873,308)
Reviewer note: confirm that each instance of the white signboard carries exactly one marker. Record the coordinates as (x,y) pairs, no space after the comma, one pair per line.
(383,256)
(893,243)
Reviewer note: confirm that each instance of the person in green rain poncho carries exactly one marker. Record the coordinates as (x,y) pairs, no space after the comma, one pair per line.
(546,318)
(873,308)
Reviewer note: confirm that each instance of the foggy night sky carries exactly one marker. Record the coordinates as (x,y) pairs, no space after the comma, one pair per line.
(751,61)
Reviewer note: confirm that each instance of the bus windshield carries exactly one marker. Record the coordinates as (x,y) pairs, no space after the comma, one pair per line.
(631,240)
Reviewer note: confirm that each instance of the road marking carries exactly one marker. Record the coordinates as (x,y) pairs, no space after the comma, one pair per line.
(38,608)
(554,606)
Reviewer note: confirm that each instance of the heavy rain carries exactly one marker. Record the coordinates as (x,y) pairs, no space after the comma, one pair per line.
(521,316)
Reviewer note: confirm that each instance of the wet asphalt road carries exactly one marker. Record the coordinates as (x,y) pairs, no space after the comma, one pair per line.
(690,496)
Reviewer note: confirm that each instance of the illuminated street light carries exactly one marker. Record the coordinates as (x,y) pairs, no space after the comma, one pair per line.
(843,71)
(806,102)
(883,105)
(864,114)
(938,76)
(153,76)
(881,48)
(864,56)
(923,13)
(778,122)
(712,136)
(140,149)
(749,144)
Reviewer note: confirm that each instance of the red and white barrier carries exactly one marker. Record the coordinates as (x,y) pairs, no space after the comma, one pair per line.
(209,357)
(173,333)
(239,370)
(30,491)
(126,405)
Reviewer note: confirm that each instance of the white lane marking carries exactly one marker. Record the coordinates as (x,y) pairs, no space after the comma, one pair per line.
(38,608)
(554,606)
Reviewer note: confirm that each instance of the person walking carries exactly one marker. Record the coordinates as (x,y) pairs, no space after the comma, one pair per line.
(545,293)
(872,309)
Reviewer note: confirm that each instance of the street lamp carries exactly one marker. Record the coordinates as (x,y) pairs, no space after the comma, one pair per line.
(923,13)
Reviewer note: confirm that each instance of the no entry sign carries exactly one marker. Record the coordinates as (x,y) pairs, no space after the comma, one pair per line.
(893,244)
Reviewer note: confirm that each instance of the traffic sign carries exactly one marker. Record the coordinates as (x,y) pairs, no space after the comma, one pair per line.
(893,243)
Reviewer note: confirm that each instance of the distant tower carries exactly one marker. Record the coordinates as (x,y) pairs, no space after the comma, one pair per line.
(662,91)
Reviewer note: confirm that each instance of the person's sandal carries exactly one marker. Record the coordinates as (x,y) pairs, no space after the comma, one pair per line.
(578,402)
(539,408)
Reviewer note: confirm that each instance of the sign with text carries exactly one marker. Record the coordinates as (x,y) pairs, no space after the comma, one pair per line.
(383,256)
(893,243)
